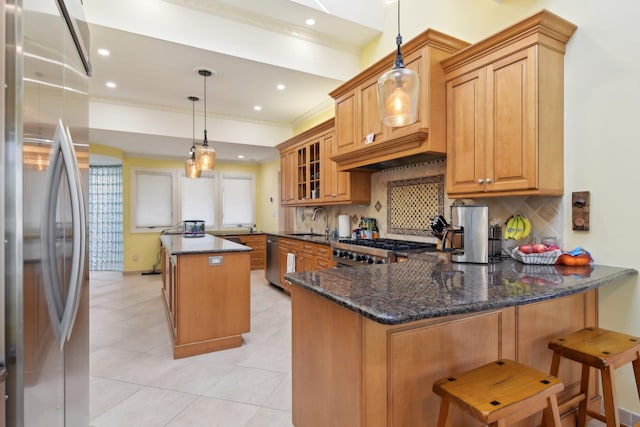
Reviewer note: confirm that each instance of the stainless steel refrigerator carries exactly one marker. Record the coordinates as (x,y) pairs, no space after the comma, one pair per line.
(45,158)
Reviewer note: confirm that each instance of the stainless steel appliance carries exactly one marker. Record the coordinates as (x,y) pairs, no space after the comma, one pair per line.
(354,252)
(46,310)
(468,235)
(273,254)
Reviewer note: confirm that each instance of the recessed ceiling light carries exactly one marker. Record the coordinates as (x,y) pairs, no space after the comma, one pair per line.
(310,21)
(240,156)
(111,85)
(281,86)
(104,52)
(257,107)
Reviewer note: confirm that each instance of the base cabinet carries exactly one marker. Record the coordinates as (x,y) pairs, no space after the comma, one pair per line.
(351,371)
(207,304)
(257,242)
(308,256)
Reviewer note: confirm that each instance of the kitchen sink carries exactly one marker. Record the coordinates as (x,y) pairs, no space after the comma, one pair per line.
(306,234)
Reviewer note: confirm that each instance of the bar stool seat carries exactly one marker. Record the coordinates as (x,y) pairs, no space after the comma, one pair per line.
(604,350)
(500,392)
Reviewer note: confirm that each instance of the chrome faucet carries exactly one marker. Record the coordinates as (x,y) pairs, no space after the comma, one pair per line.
(326,220)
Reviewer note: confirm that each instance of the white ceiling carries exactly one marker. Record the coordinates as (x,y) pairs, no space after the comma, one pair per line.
(252,45)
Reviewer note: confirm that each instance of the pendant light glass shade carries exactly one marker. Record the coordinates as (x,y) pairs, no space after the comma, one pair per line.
(205,154)
(398,91)
(191,167)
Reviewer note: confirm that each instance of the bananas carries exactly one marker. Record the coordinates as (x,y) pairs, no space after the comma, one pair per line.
(518,228)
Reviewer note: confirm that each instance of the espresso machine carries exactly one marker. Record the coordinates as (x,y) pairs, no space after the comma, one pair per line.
(468,236)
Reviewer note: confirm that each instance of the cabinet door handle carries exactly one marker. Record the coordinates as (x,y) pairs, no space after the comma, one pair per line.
(480,181)
(334,195)
(488,180)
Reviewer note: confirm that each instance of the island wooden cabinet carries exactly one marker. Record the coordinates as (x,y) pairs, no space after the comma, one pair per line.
(257,242)
(206,294)
(357,114)
(505,111)
(308,176)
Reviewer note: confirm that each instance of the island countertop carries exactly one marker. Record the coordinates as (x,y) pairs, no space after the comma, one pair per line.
(418,289)
(177,244)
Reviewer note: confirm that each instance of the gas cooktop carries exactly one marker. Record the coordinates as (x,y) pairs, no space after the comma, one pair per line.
(388,244)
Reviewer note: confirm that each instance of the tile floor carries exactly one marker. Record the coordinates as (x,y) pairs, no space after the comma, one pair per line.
(135,380)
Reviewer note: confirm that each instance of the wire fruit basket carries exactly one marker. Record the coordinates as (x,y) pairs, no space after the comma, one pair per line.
(544,258)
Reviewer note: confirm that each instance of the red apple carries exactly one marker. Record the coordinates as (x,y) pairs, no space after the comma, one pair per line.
(526,249)
(539,248)
(553,248)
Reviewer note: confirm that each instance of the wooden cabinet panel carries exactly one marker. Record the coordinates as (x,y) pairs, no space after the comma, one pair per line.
(505,112)
(466,130)
(346,122)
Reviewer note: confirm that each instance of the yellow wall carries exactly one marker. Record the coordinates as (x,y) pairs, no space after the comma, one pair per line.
(103,150)
(313,121)
(269,195)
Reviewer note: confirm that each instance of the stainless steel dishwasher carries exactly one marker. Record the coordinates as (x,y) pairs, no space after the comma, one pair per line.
(273,269)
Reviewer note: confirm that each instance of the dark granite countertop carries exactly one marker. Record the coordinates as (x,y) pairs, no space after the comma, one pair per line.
(176,244)
(301,235)
(423,288)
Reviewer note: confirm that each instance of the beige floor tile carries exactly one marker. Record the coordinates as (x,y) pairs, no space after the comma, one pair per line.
(147,407)
(270,418)
(133,369)
(246,385)
(106,394)
(209,412)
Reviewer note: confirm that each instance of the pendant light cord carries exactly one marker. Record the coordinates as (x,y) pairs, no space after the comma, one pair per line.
(205,108)
(193,127)
(398,63)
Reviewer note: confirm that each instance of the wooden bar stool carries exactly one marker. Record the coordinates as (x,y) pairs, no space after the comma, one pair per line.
(500,392)
(604,350)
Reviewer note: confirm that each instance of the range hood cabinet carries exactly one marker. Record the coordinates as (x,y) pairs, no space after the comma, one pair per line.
(363,142)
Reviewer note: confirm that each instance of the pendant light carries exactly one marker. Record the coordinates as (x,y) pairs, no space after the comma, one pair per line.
(398,91)
(205,154)
(191,165)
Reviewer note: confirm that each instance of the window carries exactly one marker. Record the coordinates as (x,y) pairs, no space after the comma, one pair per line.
(163,198)
(238,200)
(198,198)
(153,195)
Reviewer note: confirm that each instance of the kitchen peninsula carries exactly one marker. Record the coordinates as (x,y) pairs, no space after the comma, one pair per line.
(368,342)
(206,289)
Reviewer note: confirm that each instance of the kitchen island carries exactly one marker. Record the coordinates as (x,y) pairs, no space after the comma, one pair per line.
(368,342)
(206,289)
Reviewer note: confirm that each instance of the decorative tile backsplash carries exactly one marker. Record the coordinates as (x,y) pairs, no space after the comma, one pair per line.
(400,186)
(411,203)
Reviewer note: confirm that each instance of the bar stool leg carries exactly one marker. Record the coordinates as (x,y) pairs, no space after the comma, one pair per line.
(584,390)
(555,364)
(444,418)
(551,415)
(609,396)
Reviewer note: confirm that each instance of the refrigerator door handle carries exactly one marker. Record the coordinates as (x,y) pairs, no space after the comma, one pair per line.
(62,313)
(80,232)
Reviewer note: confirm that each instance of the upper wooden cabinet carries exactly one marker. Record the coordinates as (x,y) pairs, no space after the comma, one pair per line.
(308,176)
(505,111)
(357,113)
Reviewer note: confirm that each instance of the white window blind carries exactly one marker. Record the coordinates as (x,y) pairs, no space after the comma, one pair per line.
(198,199)
(238,200)
(153,196)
